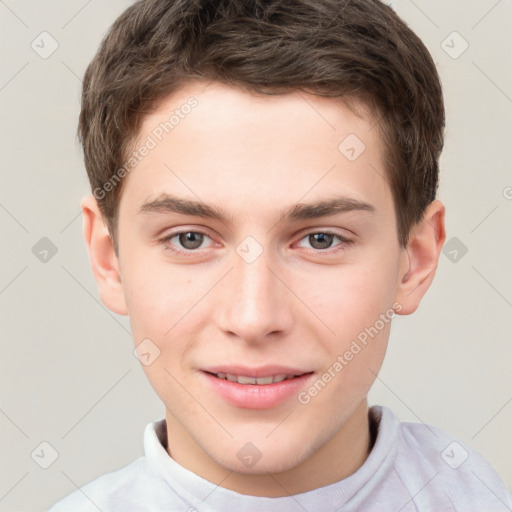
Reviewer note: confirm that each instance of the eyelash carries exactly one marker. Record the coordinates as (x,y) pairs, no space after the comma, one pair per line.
(191,252)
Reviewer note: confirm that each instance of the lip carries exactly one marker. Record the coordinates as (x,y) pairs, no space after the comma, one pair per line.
(260,371)
(254,396)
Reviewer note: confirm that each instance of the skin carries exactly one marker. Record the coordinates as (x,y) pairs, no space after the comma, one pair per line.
(299,303)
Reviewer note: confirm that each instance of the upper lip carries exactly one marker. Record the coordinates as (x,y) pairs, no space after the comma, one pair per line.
(260,371)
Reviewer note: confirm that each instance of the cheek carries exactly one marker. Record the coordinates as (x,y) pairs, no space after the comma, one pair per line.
(155,299)
(166,305)
(349,298)
(356,303)
(162,318)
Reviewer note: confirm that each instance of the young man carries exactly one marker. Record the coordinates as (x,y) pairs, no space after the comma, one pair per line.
(264,176)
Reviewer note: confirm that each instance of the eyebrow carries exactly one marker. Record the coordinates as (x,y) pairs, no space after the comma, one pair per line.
(166,203)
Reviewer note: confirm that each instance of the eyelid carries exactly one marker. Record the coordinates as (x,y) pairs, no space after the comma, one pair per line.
(167,237)
(344,241)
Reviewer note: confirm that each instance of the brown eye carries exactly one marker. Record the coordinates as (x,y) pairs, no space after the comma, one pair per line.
(321,240)
(184,241)
(191,239)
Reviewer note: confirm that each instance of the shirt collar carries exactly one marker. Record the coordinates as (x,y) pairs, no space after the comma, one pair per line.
(204,495)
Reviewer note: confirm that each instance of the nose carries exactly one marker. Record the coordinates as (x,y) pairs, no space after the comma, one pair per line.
(254,303)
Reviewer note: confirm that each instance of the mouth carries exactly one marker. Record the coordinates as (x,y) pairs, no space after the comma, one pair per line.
(259,381)
(262,388)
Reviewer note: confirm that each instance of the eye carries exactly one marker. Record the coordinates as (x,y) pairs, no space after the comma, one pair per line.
(187,240)
(192,241)
(322,240)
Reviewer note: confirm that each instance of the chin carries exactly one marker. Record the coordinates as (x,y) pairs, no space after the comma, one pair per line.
(272,465)
(272,457)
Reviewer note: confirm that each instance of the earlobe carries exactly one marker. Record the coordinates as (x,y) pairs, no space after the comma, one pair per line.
(104,262)
(420,258)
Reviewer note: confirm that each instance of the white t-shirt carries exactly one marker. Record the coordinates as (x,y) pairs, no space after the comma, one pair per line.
(412,468)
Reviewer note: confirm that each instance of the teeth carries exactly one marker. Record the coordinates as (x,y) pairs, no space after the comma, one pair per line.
(264,380)
(242,379)
(246,380)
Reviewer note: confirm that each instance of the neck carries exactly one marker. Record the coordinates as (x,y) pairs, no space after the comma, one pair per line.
(342,455)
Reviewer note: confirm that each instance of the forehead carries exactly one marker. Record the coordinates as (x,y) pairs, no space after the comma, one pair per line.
(237,150)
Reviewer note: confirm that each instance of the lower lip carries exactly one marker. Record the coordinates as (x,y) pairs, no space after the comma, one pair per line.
(256,396)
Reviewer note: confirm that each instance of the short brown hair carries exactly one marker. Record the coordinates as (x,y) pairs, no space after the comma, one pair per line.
(335,48)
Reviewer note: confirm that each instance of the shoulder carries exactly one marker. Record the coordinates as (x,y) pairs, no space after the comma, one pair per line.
(434,466)
(136,486)
(109,491)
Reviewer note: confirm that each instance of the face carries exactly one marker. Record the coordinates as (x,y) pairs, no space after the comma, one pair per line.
(259,283)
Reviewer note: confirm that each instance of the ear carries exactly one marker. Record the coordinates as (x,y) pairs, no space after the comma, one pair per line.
(104,262)
(420,258)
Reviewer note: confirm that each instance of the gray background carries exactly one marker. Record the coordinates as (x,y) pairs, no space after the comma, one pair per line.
(68,374)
